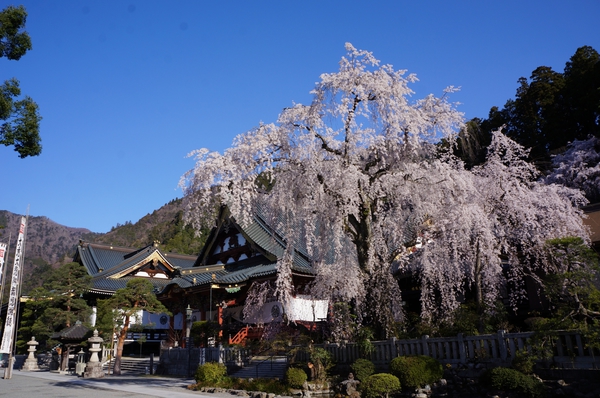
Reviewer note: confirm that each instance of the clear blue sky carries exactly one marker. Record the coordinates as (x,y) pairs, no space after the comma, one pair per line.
(127,88)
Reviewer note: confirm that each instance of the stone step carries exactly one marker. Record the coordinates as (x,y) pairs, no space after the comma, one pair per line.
(131,365)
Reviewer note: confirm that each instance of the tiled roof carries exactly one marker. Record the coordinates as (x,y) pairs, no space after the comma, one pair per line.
(111,267)
(73,333)
(272,242)
(105,263)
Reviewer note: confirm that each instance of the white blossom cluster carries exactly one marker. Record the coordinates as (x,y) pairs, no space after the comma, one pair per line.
(579,167)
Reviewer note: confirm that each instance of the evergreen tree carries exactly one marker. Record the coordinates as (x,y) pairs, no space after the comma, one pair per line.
(126,303)
(20,117)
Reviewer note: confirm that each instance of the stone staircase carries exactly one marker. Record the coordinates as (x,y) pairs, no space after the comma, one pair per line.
(273,367)
(131,365)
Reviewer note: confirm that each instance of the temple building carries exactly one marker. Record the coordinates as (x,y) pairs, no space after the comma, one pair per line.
(213,284)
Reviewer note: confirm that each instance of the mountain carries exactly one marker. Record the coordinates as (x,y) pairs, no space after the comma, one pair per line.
(49,244)
(164,225)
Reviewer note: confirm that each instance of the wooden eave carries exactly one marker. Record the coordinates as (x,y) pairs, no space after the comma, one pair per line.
(154,256)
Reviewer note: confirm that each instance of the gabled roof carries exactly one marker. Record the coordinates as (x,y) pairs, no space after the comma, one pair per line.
(112,267)
(74,333)
(266,239)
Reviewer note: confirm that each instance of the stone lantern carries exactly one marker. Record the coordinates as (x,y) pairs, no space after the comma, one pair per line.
(31,361)
(93,368)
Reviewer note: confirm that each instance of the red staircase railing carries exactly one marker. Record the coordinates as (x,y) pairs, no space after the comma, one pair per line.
(240,337)
(247,332)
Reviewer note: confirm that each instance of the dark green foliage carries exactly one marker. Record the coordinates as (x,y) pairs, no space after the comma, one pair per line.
(295,377)
(322,361)
(165,225)
(20,127)
(58,304)
(14,42)
(362,369)
(364,336)
(380,385)
(201,331)
(211,373)
(472,143)
(514,381)
(105,319)
(416,371)
(466,319)
(523,362)
(270,386)
(213,376)
(551,109)
(66,287)
(571,291)
(137,295)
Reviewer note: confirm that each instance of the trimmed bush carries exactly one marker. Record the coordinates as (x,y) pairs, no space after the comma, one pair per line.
(512,380)
(380,385)
(211,373)
(523,362)
(416,371)
(295,377)
(362,368)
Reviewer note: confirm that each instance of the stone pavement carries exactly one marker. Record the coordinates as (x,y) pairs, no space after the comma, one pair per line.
(47,384)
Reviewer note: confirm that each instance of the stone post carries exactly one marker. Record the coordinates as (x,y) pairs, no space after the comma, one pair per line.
(425,345)
(93,368)
(502,345)
(462,350)
(31,361)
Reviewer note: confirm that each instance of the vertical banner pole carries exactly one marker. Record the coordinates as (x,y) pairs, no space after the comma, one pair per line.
(4,249)
(10,325)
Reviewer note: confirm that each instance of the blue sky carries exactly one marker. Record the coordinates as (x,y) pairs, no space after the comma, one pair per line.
(127,88)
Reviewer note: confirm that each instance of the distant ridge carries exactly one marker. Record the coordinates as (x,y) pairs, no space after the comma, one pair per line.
(50,244)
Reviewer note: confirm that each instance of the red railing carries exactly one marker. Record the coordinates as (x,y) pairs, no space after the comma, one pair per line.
(247,332)
(240,337)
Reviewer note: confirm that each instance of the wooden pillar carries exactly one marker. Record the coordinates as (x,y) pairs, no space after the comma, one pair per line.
(220,320)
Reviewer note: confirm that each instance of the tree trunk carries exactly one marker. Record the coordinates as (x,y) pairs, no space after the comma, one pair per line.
(120,344)
(362,235)
(64,358)
(478,288)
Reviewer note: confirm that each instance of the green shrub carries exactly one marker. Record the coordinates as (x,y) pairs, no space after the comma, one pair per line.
(416,371)
(211,373)
(362,368)
(512,380)
(270,386)
(322,362)
(295,377)
(380,385)
(523,362)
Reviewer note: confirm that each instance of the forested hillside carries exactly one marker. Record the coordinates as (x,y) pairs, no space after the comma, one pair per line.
(164,225)
(49,244)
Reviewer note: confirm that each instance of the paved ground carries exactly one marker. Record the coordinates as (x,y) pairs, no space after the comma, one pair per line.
(46,384)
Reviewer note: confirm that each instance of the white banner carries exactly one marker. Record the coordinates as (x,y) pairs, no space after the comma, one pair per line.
(11,312)
(2,253)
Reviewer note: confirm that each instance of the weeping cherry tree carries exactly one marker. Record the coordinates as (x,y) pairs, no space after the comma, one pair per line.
(354,169)
(491,232)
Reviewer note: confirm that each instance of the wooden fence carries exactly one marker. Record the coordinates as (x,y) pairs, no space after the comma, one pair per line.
(567,350)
